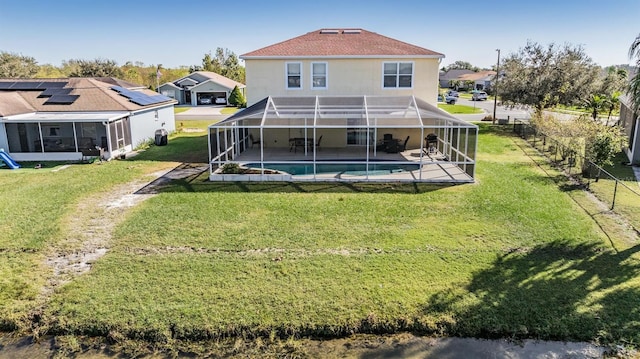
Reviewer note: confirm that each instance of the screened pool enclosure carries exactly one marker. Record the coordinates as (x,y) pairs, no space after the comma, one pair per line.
(363,138)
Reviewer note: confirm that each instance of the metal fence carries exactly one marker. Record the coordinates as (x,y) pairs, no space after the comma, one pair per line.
(620,194)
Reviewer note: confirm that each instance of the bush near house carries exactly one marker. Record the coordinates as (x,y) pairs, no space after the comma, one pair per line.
(236,98)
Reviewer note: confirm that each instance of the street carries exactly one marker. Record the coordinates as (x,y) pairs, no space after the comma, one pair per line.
(502,112)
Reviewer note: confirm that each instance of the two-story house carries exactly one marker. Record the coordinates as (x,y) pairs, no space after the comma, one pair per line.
(344,105)
(342,62)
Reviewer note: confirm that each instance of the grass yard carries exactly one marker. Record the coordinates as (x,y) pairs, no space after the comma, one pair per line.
(229,110)
(459,109)
(513,256)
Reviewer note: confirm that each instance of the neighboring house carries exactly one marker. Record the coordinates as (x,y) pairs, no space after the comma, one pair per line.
(343,105)
(342,62)
(201,88)
(62,119)
(449,78)
(460,79)
(481,80)
(629,122)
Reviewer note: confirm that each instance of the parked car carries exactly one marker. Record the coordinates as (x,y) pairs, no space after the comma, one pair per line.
(451,100)
(453,93)
(205,100)
(221,100)
(479,96)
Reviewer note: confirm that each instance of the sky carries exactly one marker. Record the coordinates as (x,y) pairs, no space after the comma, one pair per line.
(179,33)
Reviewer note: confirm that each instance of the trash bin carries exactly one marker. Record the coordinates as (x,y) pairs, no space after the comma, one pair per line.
(161,137)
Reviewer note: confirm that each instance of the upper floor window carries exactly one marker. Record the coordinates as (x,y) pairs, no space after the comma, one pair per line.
(294,75)
(397,74)
(319,75)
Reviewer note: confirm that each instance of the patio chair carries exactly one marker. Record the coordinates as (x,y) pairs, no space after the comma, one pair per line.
(318,143)
(403,146)
(253,140)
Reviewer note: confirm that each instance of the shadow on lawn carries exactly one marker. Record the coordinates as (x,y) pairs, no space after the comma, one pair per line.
(557,291)
(201,183)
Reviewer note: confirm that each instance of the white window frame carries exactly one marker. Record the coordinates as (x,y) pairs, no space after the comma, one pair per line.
(286,76)
(326,76)
(398,74)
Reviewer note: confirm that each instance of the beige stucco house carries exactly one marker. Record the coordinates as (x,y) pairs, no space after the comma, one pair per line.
(342,62)
(343,105)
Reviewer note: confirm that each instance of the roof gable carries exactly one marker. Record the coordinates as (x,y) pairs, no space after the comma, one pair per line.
(341,43)
(203,76)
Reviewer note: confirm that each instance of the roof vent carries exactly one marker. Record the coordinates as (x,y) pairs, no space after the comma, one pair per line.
(352,31)
(329,31)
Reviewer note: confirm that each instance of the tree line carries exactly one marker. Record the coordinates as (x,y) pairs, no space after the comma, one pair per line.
(224,62)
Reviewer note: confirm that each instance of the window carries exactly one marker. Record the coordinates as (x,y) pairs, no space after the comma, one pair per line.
(397,74)
(294,75)
(319,75)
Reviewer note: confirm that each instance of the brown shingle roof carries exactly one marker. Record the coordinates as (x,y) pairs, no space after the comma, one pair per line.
(474,76)
(95,94)
(222,80)
(341,42)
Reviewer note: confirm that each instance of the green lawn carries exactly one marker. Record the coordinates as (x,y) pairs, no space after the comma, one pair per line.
(459,109)
(180,109)
(512,256)
(229,110)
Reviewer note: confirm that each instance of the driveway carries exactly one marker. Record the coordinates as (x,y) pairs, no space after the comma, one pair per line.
(201,113)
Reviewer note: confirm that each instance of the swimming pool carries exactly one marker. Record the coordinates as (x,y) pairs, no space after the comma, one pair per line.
(354,169)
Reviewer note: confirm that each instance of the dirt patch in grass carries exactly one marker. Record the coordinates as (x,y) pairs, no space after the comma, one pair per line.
(89,232)
(89,229)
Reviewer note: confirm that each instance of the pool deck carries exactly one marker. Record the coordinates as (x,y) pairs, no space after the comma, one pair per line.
(434,168)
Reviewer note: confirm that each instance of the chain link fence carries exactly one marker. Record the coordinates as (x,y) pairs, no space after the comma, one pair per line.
(620,194)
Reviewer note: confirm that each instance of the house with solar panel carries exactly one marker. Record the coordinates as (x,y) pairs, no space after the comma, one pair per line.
(201,88)
(68,119)
(343,105)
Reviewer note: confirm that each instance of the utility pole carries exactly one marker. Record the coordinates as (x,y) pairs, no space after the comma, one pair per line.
(495,98)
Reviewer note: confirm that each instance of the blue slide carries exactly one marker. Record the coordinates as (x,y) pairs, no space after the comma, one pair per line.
(8,160)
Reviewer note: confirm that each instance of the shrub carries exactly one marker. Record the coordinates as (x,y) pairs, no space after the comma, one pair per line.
(231,168)
(236,98)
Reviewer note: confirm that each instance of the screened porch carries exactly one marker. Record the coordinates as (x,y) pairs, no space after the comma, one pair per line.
(363,138)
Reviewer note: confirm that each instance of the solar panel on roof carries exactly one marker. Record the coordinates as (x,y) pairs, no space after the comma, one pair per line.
(140,98)
(6,85)
(62,99)
(142,101)
(26,85)
(51,84)
(55,91)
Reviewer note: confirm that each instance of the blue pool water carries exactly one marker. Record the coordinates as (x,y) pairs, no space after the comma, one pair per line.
(355,169)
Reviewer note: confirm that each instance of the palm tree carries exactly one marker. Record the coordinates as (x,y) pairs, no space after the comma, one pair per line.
(613,103)
(594,104)
(634,85)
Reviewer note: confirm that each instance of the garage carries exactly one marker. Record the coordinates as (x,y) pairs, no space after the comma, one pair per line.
(212,98)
